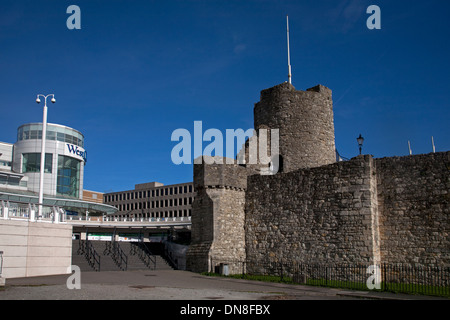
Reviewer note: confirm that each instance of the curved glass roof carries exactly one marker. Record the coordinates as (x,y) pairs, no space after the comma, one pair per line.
(54,132)
(28,197)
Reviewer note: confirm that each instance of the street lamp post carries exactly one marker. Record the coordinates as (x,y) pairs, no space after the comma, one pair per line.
(44,136)
(360,140)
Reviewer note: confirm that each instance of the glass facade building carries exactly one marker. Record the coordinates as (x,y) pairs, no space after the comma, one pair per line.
(68,180)
(63,174)
(55,132)
(65,158)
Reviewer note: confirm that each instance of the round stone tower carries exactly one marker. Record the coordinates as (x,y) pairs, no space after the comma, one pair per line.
(305,123)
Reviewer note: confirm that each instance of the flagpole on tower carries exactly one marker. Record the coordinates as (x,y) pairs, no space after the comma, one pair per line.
(289,54)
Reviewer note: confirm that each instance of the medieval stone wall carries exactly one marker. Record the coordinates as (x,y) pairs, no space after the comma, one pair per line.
(218,218)
(391,210)
(318,215)
(305,123)
(362,211)
(414,197)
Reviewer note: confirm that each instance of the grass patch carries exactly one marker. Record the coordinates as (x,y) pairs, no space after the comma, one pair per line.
(252,277)
(414,289)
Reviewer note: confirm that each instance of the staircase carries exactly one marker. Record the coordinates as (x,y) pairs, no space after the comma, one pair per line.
(78,258)
(131,251)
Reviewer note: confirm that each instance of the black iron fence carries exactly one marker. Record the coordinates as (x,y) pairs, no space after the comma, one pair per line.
(409,279)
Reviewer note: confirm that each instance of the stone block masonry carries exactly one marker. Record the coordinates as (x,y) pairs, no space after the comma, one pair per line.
(323,215)
(317,211)
(364,211)
(414,196)
(305,121)
(217,234)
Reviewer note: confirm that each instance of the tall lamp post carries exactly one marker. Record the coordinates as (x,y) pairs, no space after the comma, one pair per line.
(360,140)
(44,136)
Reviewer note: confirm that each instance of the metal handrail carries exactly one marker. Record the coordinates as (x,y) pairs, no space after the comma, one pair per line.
(92,256)
(146,256)
(119,257)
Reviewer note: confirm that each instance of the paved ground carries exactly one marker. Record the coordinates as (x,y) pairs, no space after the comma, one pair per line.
(171,285)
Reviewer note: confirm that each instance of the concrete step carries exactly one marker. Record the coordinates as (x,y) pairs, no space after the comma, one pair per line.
(108,264)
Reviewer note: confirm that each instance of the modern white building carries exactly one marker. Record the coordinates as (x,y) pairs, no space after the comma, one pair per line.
(65,158)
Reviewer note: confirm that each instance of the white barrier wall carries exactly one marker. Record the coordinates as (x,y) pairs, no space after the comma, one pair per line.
(35,248)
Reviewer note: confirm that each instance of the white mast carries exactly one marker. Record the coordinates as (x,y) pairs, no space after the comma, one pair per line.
(289,55)
(432,142)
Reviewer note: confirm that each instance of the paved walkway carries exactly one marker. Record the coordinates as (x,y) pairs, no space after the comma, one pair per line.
(172,285)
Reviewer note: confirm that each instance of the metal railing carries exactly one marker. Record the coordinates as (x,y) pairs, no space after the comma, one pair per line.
(401,278)
(92,257)
(124,220)
(115,251)
(17,210)
(143,254)
(176,256)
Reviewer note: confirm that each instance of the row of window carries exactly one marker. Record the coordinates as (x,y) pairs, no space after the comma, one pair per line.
(159,214)
(68,180)
(132,195)
(31,162)
(29,132)
(155,204)
(5,163)
(12,181)
(68,174)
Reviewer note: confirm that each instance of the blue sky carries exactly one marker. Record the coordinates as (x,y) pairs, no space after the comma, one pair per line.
(138,70)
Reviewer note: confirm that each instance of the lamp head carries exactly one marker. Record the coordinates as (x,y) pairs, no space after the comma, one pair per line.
(53,100)
(360,140)
(38,100)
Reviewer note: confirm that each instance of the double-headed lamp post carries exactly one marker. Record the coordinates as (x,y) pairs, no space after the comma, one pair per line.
(360,140)
(44,136)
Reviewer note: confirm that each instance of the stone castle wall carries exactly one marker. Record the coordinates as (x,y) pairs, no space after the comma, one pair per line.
(305,123)
(363,211)
(414,197)
(218,218)
(318,215)
(392,210)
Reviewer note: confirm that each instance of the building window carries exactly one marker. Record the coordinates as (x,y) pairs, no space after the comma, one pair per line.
(68,180)
(32,162)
